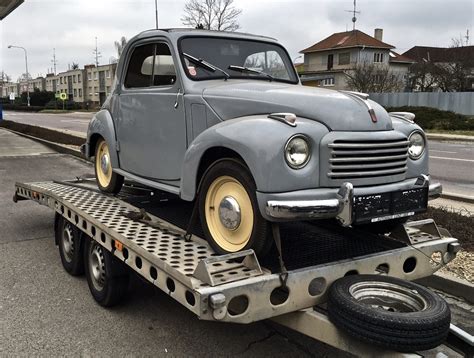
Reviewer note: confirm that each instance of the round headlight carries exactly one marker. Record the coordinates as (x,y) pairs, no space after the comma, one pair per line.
(416,146)
(297,152)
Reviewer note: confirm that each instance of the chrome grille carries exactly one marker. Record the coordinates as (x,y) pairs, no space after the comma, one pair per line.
(354,159)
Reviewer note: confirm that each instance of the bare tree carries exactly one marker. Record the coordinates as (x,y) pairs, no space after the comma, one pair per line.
(373,78)
(420,77)
(120,45)
(218,15)
(74,66)
(23,77)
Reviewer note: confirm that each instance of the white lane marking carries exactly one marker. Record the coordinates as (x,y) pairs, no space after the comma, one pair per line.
(460,160)
(442,151)
(82,121)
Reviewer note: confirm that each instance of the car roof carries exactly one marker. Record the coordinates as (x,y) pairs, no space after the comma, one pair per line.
(176,33)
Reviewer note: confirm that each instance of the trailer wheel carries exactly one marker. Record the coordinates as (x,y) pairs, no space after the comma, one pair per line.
(389,312)
(71,244)
(107,180)
(106,276)
(229,211)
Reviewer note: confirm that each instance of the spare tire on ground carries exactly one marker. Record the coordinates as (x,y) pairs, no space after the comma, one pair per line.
(389,312)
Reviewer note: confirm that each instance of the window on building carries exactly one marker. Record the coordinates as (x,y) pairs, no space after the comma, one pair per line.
(89,76)
(61,80)
(328,82)
(80,92)
(378,57)
(95,90)
(79,78)
(96,75)
(330,61)
(75,92)
(344,58)
(108,89)
(107,74)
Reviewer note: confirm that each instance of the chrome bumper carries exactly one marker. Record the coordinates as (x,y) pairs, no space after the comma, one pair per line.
(339,208)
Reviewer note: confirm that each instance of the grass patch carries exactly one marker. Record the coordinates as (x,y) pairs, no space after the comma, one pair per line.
(460,226)
(56,111)
(436,119)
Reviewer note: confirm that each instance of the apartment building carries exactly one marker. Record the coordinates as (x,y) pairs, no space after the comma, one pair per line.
(10,87)
(38,83)
(99,82)
(71,82)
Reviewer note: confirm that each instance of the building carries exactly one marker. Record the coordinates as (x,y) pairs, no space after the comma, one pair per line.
(327,62)
(36,83)
(448,58)
(72,83)
(10,87)
(99,82)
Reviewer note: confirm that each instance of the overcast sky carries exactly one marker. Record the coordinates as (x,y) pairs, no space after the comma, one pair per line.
(70,26)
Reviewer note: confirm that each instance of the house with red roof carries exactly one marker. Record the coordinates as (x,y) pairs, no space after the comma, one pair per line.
(327,62)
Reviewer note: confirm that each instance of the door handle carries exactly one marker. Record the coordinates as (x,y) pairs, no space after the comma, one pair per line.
(176,102)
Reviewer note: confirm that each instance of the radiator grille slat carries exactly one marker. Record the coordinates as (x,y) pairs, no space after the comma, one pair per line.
(353,159)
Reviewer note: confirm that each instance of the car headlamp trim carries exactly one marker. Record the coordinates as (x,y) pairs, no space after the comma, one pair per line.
(417,145)
(297,151)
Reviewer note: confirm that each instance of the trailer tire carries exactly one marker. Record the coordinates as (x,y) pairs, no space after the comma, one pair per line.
(389,312)
(107,277)
(71,244)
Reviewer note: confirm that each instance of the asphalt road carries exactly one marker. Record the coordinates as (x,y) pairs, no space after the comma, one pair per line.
(46,312)
(450,163)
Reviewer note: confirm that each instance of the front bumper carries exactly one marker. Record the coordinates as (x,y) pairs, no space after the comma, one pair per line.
(333,203)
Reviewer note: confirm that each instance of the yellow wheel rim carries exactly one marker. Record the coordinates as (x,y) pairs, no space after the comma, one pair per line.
(235,238)
(102,164)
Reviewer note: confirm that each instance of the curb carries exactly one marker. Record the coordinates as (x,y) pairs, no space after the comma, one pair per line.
(60,148)
(450,285)
(458,197)
(447,137)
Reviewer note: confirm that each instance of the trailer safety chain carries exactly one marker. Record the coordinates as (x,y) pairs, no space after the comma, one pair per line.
(277,238)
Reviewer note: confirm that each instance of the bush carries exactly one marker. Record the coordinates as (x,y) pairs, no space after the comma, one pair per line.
(37,97)
(21,107)
(432,118)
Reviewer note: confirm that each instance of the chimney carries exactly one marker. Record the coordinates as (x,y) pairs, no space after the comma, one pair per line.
(378,34)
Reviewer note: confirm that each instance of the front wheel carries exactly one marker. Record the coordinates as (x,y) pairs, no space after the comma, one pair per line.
(229,211)
(107,180)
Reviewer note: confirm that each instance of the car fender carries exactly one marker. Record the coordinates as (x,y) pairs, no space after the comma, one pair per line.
(102,125)
(260,142)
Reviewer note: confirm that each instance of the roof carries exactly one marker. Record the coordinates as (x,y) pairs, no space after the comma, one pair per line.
(181,32)
(397,58)
(354,38)
(439,54)
(7,6)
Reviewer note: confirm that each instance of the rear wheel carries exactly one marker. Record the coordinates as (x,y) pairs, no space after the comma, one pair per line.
(106,276)
(229,210)
(71,245)
(107,180)
(389,312)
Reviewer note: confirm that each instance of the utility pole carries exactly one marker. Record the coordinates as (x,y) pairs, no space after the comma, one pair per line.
(54,60)
(96,54)
(354,12)
(156,13)
(27,74)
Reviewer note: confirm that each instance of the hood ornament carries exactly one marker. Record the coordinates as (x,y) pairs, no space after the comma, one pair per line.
(287,118)
(362,97)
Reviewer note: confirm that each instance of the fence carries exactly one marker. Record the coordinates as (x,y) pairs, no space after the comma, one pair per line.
(459,102)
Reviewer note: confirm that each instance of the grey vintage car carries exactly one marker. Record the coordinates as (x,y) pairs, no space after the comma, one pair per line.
(222,119)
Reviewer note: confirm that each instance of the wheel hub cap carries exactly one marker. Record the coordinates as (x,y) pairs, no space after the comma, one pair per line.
(97,266)
(104,163)
(68,242)
(229,213)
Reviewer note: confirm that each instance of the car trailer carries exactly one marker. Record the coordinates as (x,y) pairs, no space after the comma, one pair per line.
(152,234)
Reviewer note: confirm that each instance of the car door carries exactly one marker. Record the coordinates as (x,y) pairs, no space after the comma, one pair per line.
(151,127)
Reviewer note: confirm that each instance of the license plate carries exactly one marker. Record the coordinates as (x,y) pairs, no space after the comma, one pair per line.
(388,206)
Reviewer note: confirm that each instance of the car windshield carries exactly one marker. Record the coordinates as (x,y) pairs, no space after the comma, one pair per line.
(239,58)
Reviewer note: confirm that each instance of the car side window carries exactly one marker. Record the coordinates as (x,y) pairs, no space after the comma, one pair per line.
(136,77)
(151,65)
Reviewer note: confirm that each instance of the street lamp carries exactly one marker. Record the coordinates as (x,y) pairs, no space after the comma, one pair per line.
(294,60)
(27,76)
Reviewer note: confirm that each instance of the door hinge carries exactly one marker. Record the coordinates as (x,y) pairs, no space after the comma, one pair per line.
(117,146)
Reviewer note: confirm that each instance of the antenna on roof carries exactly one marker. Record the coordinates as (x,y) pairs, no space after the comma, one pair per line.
(354,12)
(467,37)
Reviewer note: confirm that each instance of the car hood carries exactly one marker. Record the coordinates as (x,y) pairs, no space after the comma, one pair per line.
(337,110)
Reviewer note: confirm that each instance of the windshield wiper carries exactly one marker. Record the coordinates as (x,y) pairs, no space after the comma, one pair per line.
(250,70)
(206,65)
